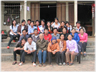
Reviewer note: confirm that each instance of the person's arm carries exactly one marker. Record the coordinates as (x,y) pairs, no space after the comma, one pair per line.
(20,39)
(58,49)
(86,37)
(25,48)
(67,46)
(45,48)
(64,48)
(50,37)
(48,49)
(34,48)
(77,39)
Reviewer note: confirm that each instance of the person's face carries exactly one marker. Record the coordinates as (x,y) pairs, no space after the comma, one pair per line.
(69,37)
(23,41)
(35,32)
(64,30)
(37,23)
(46,31)
(62,24)
(28,22)
(81,31)
(41,36)
(29,40)
(52,23)
(23,23)
(24,32)
(14,22)
(55,31)
(73,31)
(53,41)
(32,24)
(62,37)
(56,20)
(42,22)
(67,24)
(78,25)
(48,24)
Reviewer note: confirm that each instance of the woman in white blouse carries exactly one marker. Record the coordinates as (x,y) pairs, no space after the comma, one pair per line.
(13,33)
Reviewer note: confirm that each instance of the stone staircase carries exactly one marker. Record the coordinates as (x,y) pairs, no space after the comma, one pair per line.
(7,54)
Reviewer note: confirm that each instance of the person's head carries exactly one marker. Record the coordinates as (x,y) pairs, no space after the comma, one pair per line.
(62,36)
(54,40)
(64,30)
(32,23)
(69,37)
(14,22)
(23,40)
(37,22)
(52,22)
(55,30)
(24,32)
(41,36)
(23,22)
(73,31)
(42,22)
(67,23)
(78,24)
(56,20)
(29,39)
(48,23)
(81,31)
(46,31)
(62,23)
(35,31)
(29,21)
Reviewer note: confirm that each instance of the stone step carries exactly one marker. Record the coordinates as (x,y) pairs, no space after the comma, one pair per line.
(9,57)
(5,50)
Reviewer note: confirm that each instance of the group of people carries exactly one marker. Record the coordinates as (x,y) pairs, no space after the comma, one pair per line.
(46,41)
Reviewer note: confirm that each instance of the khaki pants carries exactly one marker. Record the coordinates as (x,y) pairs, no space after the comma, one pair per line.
(72,56)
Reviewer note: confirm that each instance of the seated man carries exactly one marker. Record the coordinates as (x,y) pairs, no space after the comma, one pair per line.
(19,50)
(62,46)
(47,36)
(24,35)
(55,34)
(53,49)
(42,49)
(35,36)
(29,48)
(71,49)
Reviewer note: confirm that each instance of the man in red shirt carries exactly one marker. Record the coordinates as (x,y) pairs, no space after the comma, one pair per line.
(46,35)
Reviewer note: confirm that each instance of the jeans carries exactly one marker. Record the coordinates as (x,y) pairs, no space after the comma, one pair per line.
(83,46)
(42,55)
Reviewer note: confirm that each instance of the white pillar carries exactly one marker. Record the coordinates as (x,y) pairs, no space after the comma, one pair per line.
(25,10)
(67,15)
(75,12)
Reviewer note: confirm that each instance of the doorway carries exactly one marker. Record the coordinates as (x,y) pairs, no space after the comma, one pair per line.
(47,12)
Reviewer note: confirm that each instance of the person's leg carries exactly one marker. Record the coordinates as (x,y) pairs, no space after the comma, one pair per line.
(67,57)
(34,57)
(62,57)
(23,57)
(80,43)
(44,56)
(60,61)
(84,46)
(40,56)
(11,38)
(21,52)
(49,57)
(57,57)
(18,36)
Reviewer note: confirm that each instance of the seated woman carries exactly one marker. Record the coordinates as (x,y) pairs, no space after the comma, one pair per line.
(75,35)
(53,49)
(13,33)
(19,50)
(49,27)
(64,31)
(83,41)
(62,46)
(72,49)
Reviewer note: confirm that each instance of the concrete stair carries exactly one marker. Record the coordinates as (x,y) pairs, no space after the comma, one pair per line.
(7,54)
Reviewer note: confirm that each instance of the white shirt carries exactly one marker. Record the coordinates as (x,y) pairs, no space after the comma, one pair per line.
(42,29)
(30,47)
(55,26)
(14,29)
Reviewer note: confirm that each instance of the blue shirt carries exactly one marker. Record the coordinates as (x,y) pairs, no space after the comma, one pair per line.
(31,30)
(76,37)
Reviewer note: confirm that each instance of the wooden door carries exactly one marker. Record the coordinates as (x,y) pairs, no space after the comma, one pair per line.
(61,11)
(35,11)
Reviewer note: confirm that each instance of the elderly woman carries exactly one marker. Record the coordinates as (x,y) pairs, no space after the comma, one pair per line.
(53,49)
(62,46)
(71,49)
(83,41)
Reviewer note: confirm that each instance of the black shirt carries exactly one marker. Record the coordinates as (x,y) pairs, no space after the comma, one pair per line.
(19,45)
(65,36)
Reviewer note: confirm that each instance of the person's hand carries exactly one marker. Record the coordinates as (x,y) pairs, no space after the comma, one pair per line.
(28,52)
(42,50)
(15,49)
(82,41)
(15,34)
(54,52)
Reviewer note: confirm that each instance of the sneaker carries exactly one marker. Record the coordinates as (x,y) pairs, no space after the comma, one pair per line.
(64,63)
(60,64)
(8,47)
(34,64)
(20,64)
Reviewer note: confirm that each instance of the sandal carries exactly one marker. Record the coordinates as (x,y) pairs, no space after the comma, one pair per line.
(14,63)
(40,65)
(67,63)
(70,63)
(84,54)
(44,65)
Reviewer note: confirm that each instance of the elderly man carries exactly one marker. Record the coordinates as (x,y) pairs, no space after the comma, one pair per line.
(42,49)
